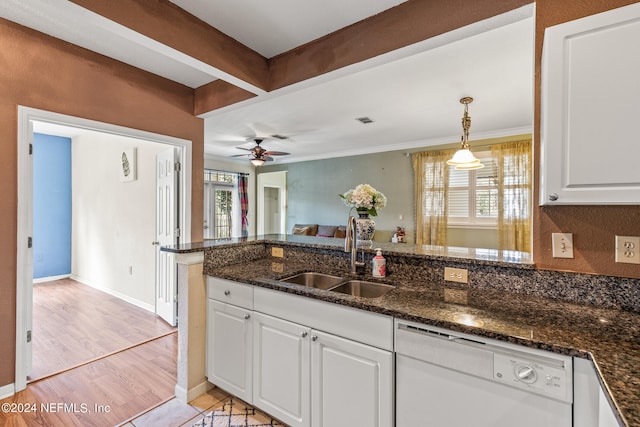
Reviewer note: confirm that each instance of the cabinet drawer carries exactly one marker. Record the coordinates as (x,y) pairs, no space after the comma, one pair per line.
(358,325)
(235,293)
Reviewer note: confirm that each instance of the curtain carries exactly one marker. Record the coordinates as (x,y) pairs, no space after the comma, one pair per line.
(514,194)
(244,202)
(431,182)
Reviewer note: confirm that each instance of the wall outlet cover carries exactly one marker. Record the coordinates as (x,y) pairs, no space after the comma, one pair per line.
(460,275)
(277,252)
(562,245)
(628,249)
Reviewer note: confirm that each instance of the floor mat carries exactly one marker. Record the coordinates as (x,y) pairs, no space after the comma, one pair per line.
(237,414)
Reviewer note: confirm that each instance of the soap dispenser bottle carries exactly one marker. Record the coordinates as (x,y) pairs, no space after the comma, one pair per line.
(379,265)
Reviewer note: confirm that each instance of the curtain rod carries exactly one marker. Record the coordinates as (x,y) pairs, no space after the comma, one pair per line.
(475,147)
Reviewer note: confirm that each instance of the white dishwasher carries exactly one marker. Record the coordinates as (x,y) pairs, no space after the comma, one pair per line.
(444,378)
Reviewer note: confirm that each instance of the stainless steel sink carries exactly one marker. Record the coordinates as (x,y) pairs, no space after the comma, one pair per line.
(360,288)
(314,280)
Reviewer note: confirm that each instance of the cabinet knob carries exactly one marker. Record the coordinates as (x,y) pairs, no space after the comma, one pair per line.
(227,292)
(314,338)
(553,197)
(304,334)
(247,316)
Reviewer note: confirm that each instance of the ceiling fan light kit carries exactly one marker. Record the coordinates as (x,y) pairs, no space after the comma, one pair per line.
(258,155)
(464,159)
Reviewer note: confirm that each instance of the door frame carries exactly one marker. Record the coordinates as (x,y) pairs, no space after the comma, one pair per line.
(24,259)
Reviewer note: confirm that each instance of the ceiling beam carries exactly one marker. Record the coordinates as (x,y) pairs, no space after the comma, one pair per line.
(218,94)
(406,24)
(400,26)
(168,24)
(243,73)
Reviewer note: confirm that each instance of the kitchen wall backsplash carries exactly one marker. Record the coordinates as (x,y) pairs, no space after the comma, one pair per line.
(421,271)
(226,255)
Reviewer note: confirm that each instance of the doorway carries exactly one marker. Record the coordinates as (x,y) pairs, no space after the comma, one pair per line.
(272,203)
(272,212)
(27,117)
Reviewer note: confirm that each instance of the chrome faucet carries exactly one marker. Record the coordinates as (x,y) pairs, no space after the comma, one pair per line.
(351,246)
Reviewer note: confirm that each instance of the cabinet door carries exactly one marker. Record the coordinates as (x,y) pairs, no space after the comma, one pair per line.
(229,348)
(590,405)
(281,369)
(352,383)
(589,148)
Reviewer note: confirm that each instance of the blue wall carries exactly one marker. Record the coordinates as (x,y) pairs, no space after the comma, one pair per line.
(51,206)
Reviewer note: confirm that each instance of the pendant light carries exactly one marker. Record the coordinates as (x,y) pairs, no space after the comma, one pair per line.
(464,159)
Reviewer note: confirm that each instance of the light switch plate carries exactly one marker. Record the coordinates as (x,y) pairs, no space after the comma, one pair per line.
(628,249)
(460,275)
(562,244)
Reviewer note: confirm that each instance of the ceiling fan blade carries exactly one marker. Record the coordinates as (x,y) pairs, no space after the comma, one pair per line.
(267,158)
(246,149)
(276,153)
(240,155)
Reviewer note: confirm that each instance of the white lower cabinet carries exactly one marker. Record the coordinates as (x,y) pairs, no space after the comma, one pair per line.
(306,377)
(351,383)
(302,361)
(229,348)
(281,369)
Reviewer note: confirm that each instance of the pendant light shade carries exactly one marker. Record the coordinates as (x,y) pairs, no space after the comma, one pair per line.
(464,159)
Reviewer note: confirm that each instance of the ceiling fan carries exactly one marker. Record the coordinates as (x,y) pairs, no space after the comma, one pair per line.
(259,154)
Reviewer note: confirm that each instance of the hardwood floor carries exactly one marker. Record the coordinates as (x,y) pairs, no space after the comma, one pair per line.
(131,388)
(105,392)
(74,323)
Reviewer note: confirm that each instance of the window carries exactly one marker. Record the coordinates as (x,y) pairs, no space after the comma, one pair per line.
(220,204)
(497,196)
(473,195)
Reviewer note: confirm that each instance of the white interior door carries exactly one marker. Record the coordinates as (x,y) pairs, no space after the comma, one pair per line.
(167,233)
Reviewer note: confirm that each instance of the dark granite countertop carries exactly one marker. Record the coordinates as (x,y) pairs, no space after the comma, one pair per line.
(513,259)
(609,337)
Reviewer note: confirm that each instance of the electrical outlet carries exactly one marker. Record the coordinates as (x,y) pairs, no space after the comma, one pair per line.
(277,252)
(460,275)
(628,249)
(562,245)
(456,296)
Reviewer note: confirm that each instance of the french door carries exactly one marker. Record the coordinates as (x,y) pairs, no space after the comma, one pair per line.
(218,210)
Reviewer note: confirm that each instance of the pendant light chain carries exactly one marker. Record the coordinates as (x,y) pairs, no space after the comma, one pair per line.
(464,159)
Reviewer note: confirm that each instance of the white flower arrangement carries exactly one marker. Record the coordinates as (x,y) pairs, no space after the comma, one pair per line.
(364,197)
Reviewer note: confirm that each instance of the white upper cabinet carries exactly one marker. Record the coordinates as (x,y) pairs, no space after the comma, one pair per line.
(590,147)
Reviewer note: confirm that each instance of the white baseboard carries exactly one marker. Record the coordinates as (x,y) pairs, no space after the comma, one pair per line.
(187,396)
(7,390)
(51,278)
(127,298)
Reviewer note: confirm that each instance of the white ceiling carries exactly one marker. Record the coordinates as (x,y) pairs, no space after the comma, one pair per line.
(411,94)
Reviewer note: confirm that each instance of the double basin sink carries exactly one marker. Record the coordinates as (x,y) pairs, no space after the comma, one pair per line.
(359,288)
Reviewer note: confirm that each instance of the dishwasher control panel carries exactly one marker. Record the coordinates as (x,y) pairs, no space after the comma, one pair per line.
(547,376)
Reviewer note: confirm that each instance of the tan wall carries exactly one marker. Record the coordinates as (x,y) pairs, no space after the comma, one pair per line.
(41,72)
(593,227)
